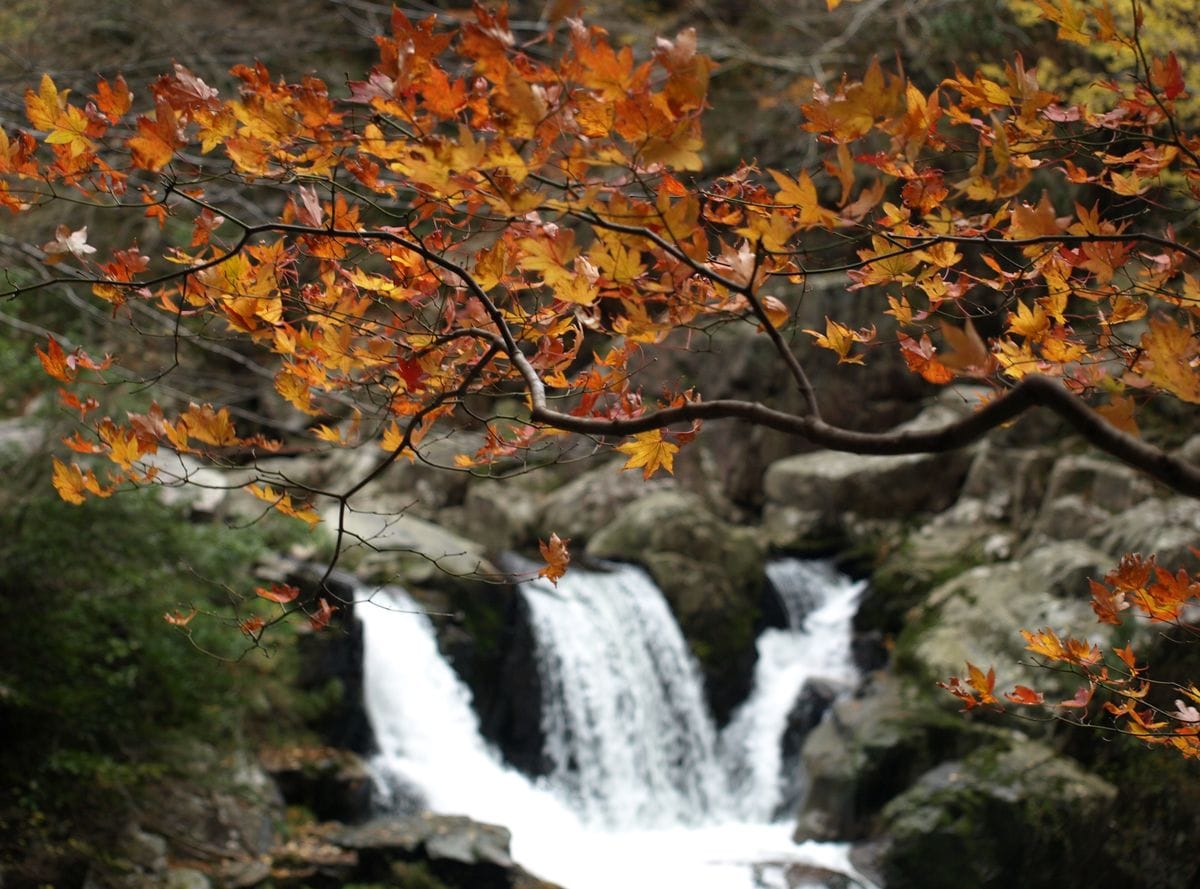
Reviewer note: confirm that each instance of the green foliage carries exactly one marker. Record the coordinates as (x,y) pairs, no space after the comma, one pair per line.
(92,680)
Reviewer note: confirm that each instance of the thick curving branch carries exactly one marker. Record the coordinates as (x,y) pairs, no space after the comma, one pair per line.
(1033,391)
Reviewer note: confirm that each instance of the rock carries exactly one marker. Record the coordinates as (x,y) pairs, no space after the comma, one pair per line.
(809,876)
(333,784)
(583,506)
(244,874)
(1169,528)
(455,850)
(908,566)
(501,515)
(1082,492)
(227,808)
(385,546)
(308,859)
(139,861)
(868,749)
(1008,482)
(810,707)
(812,498)
(1016,814)
(978,615)
(187,878)
(711,573)
(811,704)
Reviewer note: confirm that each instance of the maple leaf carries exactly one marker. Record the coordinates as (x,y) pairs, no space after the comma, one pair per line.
(319,619)
(1025,696)
(802,194)
(68,243)
(278,592)
(69,482)
(920,358)
(1169,351)
(983,683)
(179,619)
(72,483)
(840,339)
(554,551)
(156,140)
(968,353)
(113,99)
(54,361)
(70,129)
(649,452)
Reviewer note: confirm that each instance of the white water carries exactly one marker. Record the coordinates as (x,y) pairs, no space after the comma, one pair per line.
(624,717)
(820,604)
(637,798)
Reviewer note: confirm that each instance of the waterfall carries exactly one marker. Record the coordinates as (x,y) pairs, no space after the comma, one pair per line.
(624,715)
(638,794)
(426,732)
(820,604)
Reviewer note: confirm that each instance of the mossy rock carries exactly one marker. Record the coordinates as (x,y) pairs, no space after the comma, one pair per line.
(1010,814)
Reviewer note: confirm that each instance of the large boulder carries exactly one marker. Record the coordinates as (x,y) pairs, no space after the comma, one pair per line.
(332,784)
(814,499)
(978,615)
(1082,493)
(1015,814)
(711,573)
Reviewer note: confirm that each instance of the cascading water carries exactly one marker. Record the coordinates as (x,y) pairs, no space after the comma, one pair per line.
(820,604)
(638,795)
(624,718)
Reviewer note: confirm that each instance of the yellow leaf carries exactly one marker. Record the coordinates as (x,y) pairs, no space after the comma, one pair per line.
(43,107)
(295,390)
(840,339)
(209,426)
(650,453)
(1119,412)
(554,551)
(1030,324)
(801,193)
(392,437)
(68,481)
(1168,353)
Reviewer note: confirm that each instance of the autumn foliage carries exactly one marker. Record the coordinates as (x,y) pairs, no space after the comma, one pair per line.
(477,218)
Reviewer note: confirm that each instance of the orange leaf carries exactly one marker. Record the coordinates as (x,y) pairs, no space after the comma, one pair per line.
(54,361)
(179,619)
(319,619)
(113,99)
(1025,696)
(554,551)
(279,592)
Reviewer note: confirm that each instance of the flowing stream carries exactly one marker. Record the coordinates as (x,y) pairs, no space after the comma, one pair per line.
(642,792)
